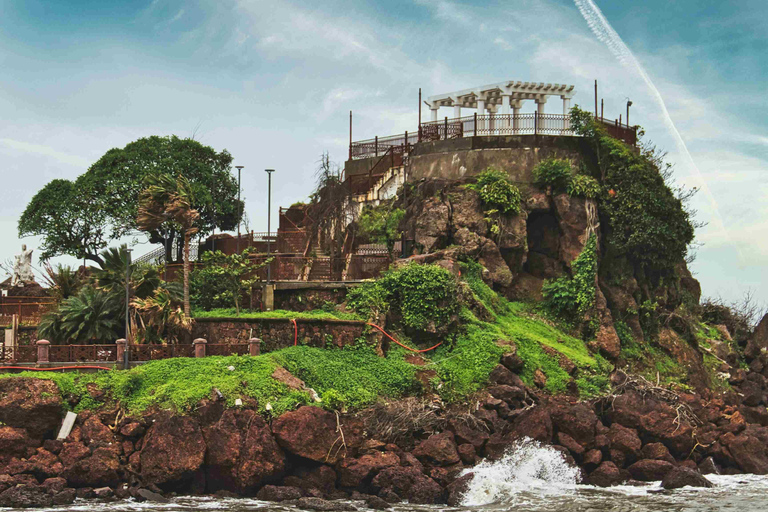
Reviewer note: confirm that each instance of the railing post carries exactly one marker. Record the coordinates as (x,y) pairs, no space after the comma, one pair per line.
(446,128)
(475,131)
(405,148)
(254,346)
(376,145)
(43,350)
(535,122)
(120,350)
(199,344)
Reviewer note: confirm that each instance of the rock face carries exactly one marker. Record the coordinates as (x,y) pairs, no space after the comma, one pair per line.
(242,454)
(680,477)
(309,432)
(32,404)
(173,453)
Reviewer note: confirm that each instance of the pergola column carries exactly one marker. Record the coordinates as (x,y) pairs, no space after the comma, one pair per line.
(540,102)
(433,111)
(456,110)
(505,124)
(566,112)
(480,112)
(516,105)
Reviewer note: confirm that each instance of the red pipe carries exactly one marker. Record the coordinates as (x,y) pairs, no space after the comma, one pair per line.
(295,332)
(406,348)
(52,369)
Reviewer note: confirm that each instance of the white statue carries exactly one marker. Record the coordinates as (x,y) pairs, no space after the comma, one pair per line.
(22,268)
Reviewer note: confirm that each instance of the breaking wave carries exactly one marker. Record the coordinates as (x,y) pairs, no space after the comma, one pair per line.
(527,466)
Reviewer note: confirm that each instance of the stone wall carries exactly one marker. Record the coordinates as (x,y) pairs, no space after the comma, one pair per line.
(279,333)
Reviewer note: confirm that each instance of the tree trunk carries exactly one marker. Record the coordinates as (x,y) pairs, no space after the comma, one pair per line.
(187,311)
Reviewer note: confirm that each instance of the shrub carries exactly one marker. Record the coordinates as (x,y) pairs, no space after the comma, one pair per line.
(497,191)
(93,315)
(381,225)
(583,186)
(423,296)
(553,172)
(570,298)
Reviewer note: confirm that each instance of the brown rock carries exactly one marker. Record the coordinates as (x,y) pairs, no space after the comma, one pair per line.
(570,443)
(13,442)
(606,475)
(73,452)
(747,451)
(32,404)
(467,454)
(534,423)
(408,483)
(539,379)
(650,470)
(503,375)
(438,450)
(458,488)
(282,375)
(173,453)
(512,362)
(241,453)
(625,440)
(98,470)
(509,394)
(657,451)
(94,431)
(132,429)
(578,421)
(592,459)
(279,493)
(680,477)
(308,432)
(356,473)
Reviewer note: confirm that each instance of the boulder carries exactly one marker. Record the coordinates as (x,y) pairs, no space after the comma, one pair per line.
(241,453)
(65,497)
(94,431)
(13,442)
(758,343)
(625,440)
(25,496)
(680,477)
(408,483)
(578,421)
(172,454)
(279,493)
(432,225)
(356,473)
(656,451)
(438,450)
(458,488)
(606,475)
(504,376)
(747,451)
(535,424)
(311,503)
(650,470)
(132,429)
(509,394)
(73,452)
(309,432)
(32,404)
(708,467)
(464,433)
(467,454)
(97,470)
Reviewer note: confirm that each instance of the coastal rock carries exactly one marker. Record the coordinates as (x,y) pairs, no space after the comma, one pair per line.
(13,442)
(747,451)
(650,470)
(98,470)
(25,496)
(680,477)
(408,483)
(355,473)
(173,453)
(308,432)
(241,452)
(438,450)
(32,404)
(535,424)
(458,489)
(279,493)
(606,475)
(73,452)
(578,421)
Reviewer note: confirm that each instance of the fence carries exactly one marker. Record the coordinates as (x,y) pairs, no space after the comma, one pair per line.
(27,309)
(46,354)
(484,125)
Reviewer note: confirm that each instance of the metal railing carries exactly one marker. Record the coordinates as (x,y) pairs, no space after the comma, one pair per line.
(486,125)
(82,353)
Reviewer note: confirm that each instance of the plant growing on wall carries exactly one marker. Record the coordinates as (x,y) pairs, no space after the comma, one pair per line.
(381,224)
(499,194)
(582,185)
(572,297)
(553,172)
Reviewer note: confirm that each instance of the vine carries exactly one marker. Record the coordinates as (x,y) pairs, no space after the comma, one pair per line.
(571,298)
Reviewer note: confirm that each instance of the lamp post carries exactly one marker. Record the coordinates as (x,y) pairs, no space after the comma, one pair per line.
(239,206)
(629,104)
(269,222)
(126,356)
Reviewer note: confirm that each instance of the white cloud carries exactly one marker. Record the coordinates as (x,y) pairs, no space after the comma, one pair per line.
(46,151)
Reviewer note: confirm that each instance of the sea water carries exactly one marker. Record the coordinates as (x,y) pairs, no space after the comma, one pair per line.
(528,478)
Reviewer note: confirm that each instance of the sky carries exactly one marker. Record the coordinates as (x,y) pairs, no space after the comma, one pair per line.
(273,83)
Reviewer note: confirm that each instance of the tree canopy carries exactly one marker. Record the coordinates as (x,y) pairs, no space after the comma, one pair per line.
(79,218)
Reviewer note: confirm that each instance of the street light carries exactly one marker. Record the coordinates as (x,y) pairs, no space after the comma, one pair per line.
(629,104)
(126,356)
(269,222)
(239,206)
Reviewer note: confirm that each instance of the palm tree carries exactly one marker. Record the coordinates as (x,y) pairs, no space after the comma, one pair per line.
(169,199)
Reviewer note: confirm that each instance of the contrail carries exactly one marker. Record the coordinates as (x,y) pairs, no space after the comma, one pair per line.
(606,34)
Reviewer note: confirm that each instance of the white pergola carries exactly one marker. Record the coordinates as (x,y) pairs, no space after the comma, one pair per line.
(508,94)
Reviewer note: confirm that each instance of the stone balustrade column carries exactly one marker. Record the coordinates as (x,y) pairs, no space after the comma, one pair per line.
(43,350)
(199,344)
(566,113)
(433,113)
(120,357)
(254,346)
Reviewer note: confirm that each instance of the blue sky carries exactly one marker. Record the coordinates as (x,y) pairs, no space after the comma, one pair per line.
(273,83)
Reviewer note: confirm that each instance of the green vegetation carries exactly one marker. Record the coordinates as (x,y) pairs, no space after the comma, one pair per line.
(553,172)
(315,314)
(647,220)
(570,298)
(424,297)
(497,191)
(79,218)
(381,224)
(582,185)
(223,279)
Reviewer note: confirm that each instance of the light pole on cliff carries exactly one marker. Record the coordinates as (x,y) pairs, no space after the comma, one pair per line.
(239,207)
(126,356)
(269,222)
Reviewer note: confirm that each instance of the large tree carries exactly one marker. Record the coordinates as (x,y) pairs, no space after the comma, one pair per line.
(67,216)
(79,219)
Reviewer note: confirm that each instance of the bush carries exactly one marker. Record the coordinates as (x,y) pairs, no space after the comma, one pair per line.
(582,185)
(423,296)
(570,298)
(93,315)
(497,191)
(553,172)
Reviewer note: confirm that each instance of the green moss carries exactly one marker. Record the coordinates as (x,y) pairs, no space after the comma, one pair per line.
(315,314)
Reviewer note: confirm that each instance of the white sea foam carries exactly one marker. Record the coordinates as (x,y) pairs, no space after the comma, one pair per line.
(526,466)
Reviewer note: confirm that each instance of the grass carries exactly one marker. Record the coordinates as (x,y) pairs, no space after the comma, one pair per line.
(315,314)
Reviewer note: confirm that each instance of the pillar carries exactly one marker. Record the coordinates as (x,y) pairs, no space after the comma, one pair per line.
(199,344)
(268,291)
(540,102)
(480,112)
(456,111)
(43,348)
(542,125)
(516,105)
(120,356)
(254,346)
(506,122)
(566,113)
(433,113)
